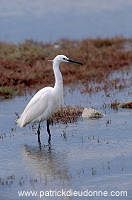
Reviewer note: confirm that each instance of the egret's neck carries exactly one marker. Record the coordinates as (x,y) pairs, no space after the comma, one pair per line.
(58,75)
(58,88)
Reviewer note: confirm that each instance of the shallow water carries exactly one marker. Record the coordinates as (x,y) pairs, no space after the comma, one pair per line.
(94,155)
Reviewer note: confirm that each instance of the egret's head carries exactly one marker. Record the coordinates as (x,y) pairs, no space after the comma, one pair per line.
(62,58)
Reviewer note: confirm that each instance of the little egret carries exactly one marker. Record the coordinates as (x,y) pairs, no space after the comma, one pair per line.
(44,102)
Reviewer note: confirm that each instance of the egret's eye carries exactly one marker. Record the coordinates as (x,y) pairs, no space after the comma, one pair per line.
(64,58)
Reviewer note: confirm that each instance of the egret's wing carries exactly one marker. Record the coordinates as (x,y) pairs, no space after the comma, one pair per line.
(34,109)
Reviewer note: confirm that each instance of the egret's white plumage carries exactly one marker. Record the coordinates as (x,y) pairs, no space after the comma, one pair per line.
(40,107)
(44,102)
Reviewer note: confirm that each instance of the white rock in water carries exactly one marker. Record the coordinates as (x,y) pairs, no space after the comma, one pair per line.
(91,113)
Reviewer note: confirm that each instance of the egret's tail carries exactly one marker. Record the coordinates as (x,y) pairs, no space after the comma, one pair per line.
(20,122)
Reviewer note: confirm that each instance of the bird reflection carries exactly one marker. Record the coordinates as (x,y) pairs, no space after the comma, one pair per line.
(46,163)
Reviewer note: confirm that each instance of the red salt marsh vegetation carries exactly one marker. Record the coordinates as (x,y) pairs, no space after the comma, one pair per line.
(25,67)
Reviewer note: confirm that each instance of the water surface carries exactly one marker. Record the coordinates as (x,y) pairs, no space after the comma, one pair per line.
(89,155)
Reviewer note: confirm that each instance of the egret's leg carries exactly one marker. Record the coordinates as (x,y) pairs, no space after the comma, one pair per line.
(38,131)
(48,130)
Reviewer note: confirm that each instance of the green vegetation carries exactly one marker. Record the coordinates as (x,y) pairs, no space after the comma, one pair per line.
(7,92)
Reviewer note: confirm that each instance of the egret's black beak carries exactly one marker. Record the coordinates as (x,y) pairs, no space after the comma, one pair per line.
(73,61)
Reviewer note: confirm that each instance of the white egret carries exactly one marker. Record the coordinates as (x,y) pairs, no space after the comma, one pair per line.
(44,102)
